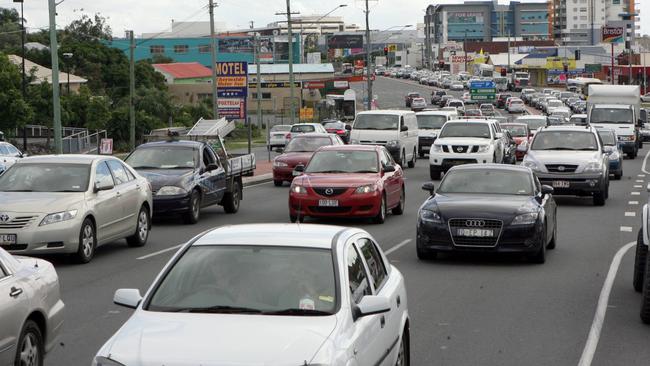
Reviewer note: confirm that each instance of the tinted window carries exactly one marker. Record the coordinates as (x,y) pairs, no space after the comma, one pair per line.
(119,172)
(608,138)
(430,122)
(163,158)
(516,131)
(103,175)
(376,122)
(565,140)
(487,182)
(613,115)
(208,157)
(303,128)
(45,178)
(343,162)
(357,276)
(334,125)
(280,128)
(480,130)
(374,261)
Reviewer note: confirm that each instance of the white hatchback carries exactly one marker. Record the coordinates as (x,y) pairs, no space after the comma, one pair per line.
(269,294)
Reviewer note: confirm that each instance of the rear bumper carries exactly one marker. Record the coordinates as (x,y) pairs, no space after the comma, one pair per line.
(628,146)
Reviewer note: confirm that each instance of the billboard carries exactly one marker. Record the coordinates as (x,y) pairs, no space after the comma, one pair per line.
(464,18)
(613,34)
(232,89)
(236,45)
(343,41)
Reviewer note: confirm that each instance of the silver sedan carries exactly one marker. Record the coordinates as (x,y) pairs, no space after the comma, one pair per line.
(31,310)
(72,204)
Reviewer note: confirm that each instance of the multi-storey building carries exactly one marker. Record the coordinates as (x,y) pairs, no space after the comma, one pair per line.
(315,24)
(578,22)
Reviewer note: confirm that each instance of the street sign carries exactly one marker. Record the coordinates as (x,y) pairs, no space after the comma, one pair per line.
(232,89)
(106,147)
(482,84)
(483,97)
(482,90)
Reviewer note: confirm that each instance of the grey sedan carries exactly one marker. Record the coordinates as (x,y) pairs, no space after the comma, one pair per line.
(31,310)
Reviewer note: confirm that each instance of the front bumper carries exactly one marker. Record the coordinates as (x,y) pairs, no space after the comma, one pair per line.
(284,174)
(169,205)
(445,161)
(579,184)
(350,205)
(62,237)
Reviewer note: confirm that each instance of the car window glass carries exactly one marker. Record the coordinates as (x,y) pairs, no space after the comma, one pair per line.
(129,174)
(118,172)
(357,276)
(208,157)
(4,150)
(13,150)
(384,159)
(103,175)
(2,271)
(374,261)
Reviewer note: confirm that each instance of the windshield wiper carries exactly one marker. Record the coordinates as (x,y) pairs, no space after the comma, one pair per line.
(329,171)
(222,309)
(558,148)
(294,311)
(146,167)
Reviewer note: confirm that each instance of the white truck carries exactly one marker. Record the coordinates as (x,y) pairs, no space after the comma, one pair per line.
(518,80)
(617,107)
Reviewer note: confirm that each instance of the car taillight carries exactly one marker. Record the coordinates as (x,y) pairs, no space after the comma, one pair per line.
(340,132)
(287,136)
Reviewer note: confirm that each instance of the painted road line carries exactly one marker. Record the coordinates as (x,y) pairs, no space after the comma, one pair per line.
(633,203)
(601,309)
(645,160)
(638,186)
(387,252)
(635,193)
(639,180)
(160,252)
(626,229)
(630,214)
(642,175)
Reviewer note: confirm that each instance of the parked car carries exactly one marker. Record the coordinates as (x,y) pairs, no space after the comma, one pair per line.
(72,204)
(613,151)
(268,294)
(9,155)
(31,310)
(341,129)
(298,152)
(278,136)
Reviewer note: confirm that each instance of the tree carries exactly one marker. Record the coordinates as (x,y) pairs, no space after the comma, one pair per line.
(90,29)
(10,32)
(14,110)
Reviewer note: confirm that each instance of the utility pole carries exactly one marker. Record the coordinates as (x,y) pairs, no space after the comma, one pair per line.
(465,49)
(368,58)
(24,84)
(131,89)
(56,97)
(508,49)
(292,91)
(213,60)
(258,79)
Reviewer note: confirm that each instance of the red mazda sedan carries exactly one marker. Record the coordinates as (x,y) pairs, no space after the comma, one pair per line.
(521,135)
(298,151)
(347,181)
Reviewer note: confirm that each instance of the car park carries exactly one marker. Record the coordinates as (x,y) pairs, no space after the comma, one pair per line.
(490,209)
(72,204)
(298,152)
(429,125)
(31,310)
(187,176)
(248,294)
(348,181)
(613,151)
(572,160)
(9,155)
(418,104)
(278,136)
(396,130)
(299,128)
(341,129)
(521,135)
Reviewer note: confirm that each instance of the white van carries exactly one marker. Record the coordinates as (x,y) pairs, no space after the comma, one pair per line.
(395,129)
(429,125)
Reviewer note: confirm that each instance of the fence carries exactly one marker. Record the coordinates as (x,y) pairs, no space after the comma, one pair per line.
(83,142)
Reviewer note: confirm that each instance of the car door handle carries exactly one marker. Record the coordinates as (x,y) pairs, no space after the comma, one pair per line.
(382,321)
(399,301)
(15,292)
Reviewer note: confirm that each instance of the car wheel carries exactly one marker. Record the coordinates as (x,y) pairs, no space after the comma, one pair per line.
(434,174)
(399,209)
(421,155)
(30,346)
(640,259)
(87,242)
(551,244)
(645,300)
(618,176)
(381,215)
(232,198)
(194,211)
(404,353)
(540,256)
(278,183)
(139,238)
(414,159)
(402,159)
(599,199)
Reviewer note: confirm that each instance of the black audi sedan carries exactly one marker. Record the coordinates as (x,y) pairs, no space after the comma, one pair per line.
(488,208)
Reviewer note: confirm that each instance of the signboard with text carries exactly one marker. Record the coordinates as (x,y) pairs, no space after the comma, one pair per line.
(106,147)
(483,90)
(232,89)
(613,34)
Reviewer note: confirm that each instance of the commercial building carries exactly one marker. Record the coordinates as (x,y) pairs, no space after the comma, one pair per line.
(315,24)
(188,30)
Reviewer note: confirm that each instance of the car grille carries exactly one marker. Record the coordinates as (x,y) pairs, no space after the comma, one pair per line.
(329,191)
(329,210)
(472,241)
(18,222)
(561,168)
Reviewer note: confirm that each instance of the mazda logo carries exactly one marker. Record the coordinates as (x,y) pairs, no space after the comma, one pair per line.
(329,191)
(561,168)
(4,218)
(474,223)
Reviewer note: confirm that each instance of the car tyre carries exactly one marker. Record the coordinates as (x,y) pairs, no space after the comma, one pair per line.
(618,176)
(399,209)
(540,256)
(87,242)
(232,199)
(645,299)
(551,244)
(278,183)
(640,259)
(193,214)
(139,238)
(404,351)
(599,198)
(30,350)
(414,159)
(402,159)
(434,173)
(381,215)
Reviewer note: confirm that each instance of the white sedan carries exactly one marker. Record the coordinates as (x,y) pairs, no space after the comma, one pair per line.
(9,154)
(31,310)
(269,294)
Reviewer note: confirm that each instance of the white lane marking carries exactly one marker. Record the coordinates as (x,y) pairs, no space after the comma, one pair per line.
(258,184)
(639,180)
(601,309)
(638,186)
(160,252)
(633,203)
(641,175)
(630,214)
(626,229)
(635,193)
(403,243)
(645,160)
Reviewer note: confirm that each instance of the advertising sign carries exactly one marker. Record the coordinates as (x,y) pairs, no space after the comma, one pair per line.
(464,18)
(232,89)
(232,108)
(392,47)
(557,63)
(236,45)
(613,34)
(106,147)
(342,41)
(341,84)
(275,84)
(314,85)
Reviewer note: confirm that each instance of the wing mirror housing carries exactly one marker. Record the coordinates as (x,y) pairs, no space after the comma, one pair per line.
(404,128)
(104,186)
(389,168)
(429,187)
(547,189)
(211,167)
(371,305)
(127,297)
(348,128)
(279,150)
(298,170)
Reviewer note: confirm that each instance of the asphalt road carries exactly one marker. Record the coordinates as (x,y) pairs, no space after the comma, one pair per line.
(465,310)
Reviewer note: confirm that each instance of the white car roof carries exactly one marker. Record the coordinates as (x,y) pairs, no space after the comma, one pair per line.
(66,159)
(306,124)
(397,112)
(579,116)
(473,120)
(437,113)
(531,116)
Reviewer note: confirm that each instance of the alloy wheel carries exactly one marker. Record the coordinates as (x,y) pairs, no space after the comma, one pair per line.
(143,225)
(29,352)
(88,240)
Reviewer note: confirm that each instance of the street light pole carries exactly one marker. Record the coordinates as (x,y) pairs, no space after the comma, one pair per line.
(56,97)
(213,60)
(368,58)
(24,80)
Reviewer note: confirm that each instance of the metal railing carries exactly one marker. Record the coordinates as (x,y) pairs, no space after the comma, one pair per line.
(83,142)
(39,131)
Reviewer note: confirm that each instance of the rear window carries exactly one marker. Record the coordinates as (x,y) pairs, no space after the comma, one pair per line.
(303,128)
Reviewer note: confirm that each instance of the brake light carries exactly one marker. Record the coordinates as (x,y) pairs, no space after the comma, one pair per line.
(287,136)
(340,132)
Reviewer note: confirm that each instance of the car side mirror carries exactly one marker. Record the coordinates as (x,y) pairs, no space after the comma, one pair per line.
(298,170)
(127,297)
(104,186)
(429,187)
(389,168)
(24,155)
(279,150)
(211,167)
(371,305)
(547,189)
(348,127)
(404,128)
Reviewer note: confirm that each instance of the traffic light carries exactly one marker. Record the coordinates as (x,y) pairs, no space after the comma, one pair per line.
(441,64)
(385,51)
(504,72)
(577,55)
(566,67)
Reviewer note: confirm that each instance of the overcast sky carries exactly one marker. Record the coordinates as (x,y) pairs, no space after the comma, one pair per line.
(146,16)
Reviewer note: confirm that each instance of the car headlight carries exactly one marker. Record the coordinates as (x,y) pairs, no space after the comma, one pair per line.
(594,166)
(103,361)
(525,219)
(53,218)
(279,164)
(430,216)
(369,188)
(436,148)
(483,148)
(531,164)
(393,143)
(299,189)
(170,191)
(614,155)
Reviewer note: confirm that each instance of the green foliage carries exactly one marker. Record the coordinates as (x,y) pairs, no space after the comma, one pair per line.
(14,110)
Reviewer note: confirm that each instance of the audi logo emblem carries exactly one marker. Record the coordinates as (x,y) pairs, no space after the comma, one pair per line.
(561,168)
(4,218)
(329,191)
(474,223)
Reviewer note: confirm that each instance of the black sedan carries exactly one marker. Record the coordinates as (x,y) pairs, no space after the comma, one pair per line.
(488,208)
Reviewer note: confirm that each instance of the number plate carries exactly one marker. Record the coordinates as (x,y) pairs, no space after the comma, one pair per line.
(7,239)
(561,184)
(328,203)
(477,233)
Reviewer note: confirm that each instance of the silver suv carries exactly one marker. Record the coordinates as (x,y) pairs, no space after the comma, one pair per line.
(572,160)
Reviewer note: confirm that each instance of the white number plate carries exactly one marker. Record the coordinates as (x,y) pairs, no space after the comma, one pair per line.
(561,184)
(7,239)
(328,203)
(479,233)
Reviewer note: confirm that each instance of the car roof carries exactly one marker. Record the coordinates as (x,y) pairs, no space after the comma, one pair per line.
(312,134)
(570,128)
(306,124)
(436,113)
(282,235)
(351,147)
(398,112)
(472,120)
(180,143)
(514,124)
(64,159)
(579,115)
(531,116)
(492,167)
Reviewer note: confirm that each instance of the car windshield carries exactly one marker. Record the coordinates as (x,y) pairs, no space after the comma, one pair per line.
(608,138)
(555,104)
(45,177)
(487,182)
(343,162)
(4,151)
(533,123)
(249,279)
(611,115)
(376,122)
(303,128)
(565,140)
(163,158)
(431,122)
(487,107)
(479,130)
(281,128)
(515,131)
(334,125)
(307,144)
